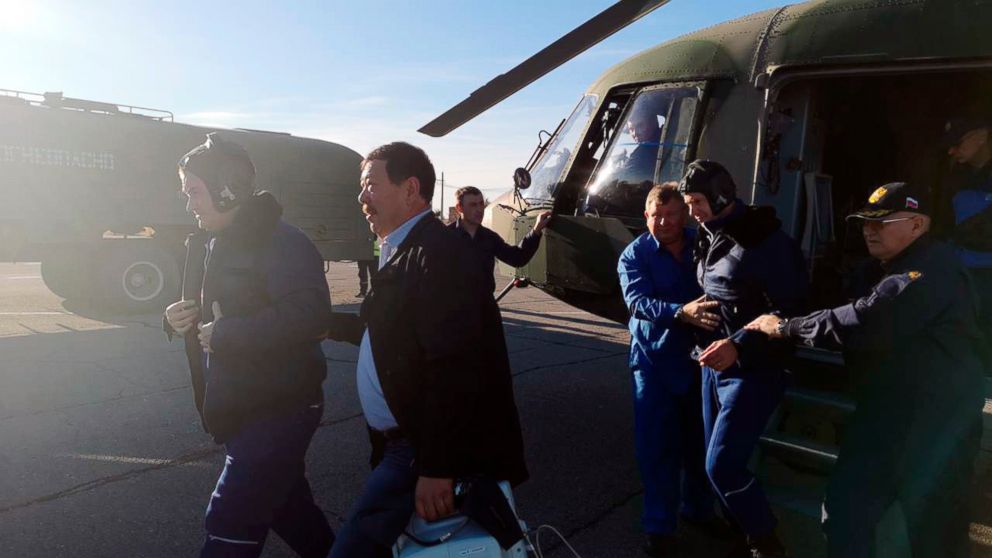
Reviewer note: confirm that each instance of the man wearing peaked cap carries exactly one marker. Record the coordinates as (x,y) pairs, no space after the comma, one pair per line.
(912,347)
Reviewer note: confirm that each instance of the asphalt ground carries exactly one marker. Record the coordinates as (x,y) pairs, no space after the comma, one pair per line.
(101,451)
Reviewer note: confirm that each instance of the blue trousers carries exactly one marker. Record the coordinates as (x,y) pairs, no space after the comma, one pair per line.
(264,486)
(382,512)
(737,404)
(668,438)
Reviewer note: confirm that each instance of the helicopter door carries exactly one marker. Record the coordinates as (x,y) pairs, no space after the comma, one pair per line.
(787,175)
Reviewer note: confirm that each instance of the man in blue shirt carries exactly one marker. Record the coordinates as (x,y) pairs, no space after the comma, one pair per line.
(657,275)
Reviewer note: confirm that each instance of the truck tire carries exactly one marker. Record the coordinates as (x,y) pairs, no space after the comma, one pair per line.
(137,276)
(66,273)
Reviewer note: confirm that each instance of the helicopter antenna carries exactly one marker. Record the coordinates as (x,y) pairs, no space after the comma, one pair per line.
(575,42)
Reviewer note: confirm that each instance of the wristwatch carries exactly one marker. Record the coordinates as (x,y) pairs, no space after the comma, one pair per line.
(780,328)
(679,313)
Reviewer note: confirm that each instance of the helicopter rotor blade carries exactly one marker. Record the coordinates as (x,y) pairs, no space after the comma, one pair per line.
(575,42)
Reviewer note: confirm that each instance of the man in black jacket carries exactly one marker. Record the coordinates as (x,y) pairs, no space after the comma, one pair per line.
(432,418)
(748,264)
(471,205)
(912,346)
(255,304)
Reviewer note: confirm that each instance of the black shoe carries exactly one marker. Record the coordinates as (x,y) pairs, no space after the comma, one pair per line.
(766,546)
(661,546)
(361,294)
(715,528)
(739,549)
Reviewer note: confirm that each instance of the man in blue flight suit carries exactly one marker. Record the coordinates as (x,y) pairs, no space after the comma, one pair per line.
(969,193)
(911,344)
(657,276)
(750,266)
(489,246)
(255,305)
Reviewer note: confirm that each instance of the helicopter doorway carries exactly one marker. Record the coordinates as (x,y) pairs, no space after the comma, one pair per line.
(835,140)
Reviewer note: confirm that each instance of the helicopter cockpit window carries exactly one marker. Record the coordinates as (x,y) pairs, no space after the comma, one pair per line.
(649,148)
(547,172)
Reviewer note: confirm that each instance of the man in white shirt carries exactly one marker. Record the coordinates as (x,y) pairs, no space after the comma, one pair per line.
(431,419)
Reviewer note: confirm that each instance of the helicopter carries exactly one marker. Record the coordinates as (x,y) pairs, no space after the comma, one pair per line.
(809,106)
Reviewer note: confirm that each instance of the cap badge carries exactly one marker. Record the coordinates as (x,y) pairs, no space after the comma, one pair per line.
(227,194)
(914,275)
(912,203)
(878,194)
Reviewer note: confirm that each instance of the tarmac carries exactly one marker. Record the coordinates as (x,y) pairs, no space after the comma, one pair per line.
(102,453)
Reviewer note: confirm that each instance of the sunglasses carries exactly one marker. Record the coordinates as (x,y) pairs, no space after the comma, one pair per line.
(881,223)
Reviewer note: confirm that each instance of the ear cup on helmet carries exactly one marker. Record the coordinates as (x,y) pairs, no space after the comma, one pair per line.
(226,169)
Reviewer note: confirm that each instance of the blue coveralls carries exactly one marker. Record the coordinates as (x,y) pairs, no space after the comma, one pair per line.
(668,433)
(751,267)
(910,344)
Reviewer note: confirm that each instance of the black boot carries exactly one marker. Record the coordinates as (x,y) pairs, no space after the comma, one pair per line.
(766,546)
(715,527)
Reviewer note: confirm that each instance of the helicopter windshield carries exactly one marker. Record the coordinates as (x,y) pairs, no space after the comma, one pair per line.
(547,172)
(649,149)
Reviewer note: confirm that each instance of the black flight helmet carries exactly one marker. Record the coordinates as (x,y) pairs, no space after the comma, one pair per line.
(225,168)
(710,179)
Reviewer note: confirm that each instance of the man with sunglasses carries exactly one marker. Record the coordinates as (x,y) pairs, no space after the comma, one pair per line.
(912,346)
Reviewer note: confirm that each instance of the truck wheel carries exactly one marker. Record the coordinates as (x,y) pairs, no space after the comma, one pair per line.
(66,273)
(137,276)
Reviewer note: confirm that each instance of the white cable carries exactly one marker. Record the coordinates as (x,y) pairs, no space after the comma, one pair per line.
(537,539)
(536,550)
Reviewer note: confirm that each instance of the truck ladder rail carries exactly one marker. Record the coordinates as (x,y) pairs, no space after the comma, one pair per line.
(57,100)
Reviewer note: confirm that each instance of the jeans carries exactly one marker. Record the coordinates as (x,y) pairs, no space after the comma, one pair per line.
(382,512)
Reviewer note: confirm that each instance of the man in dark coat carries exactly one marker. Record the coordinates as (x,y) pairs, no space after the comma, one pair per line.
(471,206)
(255,305)
(432,417)
(750,266)
(966,212)
(911,343)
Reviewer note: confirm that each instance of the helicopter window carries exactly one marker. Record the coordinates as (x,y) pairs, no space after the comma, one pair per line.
(650,148)
(547,172)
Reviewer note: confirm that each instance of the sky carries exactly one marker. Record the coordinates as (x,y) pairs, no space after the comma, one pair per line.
(359,73)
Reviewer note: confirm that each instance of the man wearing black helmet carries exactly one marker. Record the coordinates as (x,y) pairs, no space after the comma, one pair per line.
(255,305)
(911,344)
(751,267)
